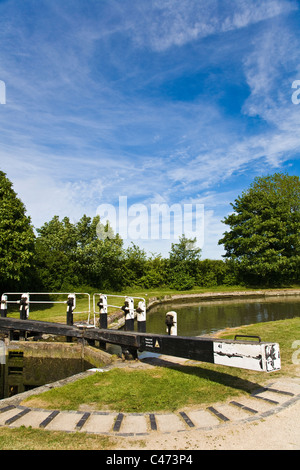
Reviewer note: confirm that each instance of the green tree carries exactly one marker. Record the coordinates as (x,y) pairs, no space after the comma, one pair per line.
(156,272)
(183,262)
(72,255)
(56,250)
(135,262)
(16,238)
(263,240)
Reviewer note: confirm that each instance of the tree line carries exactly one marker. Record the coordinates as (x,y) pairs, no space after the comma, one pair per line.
(261,248)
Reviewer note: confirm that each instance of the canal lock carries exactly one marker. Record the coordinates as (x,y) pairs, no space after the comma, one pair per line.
(29,365)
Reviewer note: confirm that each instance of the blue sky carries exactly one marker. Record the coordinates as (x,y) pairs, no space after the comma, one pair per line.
(175,102)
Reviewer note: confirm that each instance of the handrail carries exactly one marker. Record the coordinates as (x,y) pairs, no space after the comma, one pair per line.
(18,302)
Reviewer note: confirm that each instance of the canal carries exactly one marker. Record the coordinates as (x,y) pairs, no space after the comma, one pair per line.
(206,317)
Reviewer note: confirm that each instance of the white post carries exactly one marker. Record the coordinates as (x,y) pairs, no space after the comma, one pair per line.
(129,314)
(171,322)
(24,306)
(3,305)
(141,316)
(102,304)
(71,302)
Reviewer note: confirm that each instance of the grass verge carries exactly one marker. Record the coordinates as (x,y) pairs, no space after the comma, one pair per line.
(162,388)
(24,438)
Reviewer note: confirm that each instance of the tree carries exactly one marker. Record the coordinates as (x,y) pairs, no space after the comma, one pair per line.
(56,249)
(135,262)
(183,261)
(263,240)
(71,255)
(16,238)
(185,251)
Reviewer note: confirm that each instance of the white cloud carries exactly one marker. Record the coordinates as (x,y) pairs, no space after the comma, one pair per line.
(177,22)
(87,120)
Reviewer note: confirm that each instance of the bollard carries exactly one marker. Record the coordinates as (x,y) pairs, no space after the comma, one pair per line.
(24,307)
(102,304)
(3,305)
(24,314)
(171,322)
(128,309)
(71,306)
(141,317)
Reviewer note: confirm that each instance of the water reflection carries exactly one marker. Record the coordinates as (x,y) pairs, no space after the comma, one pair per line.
(208,317)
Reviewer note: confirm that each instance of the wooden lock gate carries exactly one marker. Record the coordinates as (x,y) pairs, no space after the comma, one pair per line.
(245,354)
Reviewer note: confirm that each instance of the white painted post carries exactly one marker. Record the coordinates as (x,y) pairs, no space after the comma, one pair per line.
(141,316)
(71,302)
(102,304)
(24,307)
(3,305)
(171,322)
(129,314)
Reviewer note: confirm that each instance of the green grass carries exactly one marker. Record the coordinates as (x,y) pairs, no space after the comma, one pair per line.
(26,438)
(163,388)
(158,389)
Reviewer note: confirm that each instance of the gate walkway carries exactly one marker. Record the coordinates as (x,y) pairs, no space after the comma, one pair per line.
(263,403)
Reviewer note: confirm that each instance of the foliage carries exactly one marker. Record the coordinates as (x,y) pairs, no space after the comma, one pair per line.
(69,255)
(183,262)
(262,247)
(263,240)
(16,238)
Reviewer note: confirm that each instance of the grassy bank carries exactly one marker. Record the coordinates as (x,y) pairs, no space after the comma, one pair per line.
(124,390)
(161,388)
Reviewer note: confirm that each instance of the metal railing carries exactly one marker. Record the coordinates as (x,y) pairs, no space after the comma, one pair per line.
(26,300)
(130,311)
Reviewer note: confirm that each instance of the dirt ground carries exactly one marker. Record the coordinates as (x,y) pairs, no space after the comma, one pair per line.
(278,432)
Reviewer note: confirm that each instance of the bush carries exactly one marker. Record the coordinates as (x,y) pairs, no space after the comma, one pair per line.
(181,281)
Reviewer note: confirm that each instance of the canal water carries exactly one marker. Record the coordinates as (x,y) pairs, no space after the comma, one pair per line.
(202,318)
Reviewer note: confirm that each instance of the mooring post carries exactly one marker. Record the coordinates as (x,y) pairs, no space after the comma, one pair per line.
(141,317)
(24,313)
(24,307)
(128,309)
(171,322)
(102,304)
(71,306)
(3,306)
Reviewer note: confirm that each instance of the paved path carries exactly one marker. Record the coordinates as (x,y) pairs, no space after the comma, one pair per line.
(263,403)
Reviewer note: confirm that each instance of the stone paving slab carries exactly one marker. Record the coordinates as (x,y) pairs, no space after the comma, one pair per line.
(170,423)
(138,423)
(265,401)
(202,418)
(5,415)
(35,417)
(100,423)
(64,421)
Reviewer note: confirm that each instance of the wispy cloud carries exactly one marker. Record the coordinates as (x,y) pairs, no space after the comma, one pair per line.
(160,101)
(176,23)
